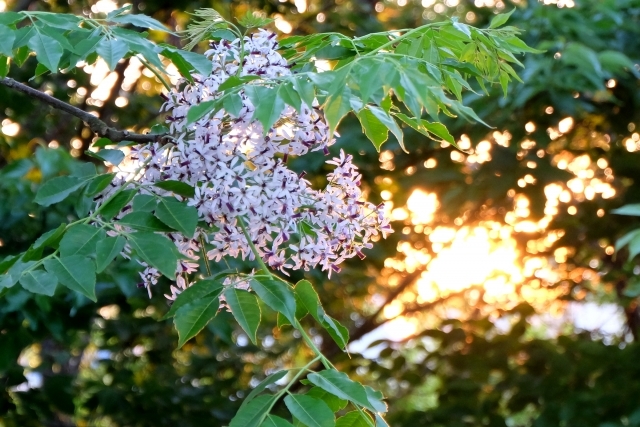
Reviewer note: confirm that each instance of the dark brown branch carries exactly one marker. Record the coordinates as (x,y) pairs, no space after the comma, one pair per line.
(96,125)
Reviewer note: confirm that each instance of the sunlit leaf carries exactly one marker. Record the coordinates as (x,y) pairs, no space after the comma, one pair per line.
(107,155)
(140,20)
(277,295)
(375,130)
(500,19)
(112,50)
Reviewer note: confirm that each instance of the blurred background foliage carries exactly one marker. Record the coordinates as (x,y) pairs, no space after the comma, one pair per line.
(499,301)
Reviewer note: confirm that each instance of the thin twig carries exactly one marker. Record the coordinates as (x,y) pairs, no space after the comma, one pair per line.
(96,125)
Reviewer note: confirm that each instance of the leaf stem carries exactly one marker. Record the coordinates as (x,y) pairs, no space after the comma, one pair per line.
(155,72)
(204,255)
(288,386)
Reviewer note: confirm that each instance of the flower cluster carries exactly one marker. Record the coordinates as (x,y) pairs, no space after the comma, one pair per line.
(243,186)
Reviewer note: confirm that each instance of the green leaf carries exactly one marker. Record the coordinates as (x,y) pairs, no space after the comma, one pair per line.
(353,419)
(144,203)
(252,414)
(268,105)
(275,421)
(7,37)
(124,9)
(39,282)
(112,51)
(633,210)
(102,142)
(139,44)
(340,385)
(235,81)
(115,205)
(200,289)
(80,239)
(107,155)
(336,107)
(63,21)
(254,20)
(271,379)
(333,402)
(290,96)
(307,298)
(277,295)
(55,34)
(429,129)
(87,47)
(51,238)
(375,130)
(48,50)
(375,398)
(374,75)
(305,89)
(390,123)
(144,221)
(10,17)
(627,238)
(4,66)
(107,250)
(76,272)
(339,333)
(157,251)
(245,308)
(99,183)
(177,187)
(22,54)
(463,28)
(233,104)
(196,61)
(197,112)
(311,411)
(191,318)
(57,189)
(142,21)
(23,35)
(178,216)
(380,422)
(500,19)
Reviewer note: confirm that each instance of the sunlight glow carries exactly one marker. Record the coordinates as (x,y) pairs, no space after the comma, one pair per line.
(10,128)
(422,206)
(104,6)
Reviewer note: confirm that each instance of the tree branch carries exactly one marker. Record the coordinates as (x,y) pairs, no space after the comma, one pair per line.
(96,125)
